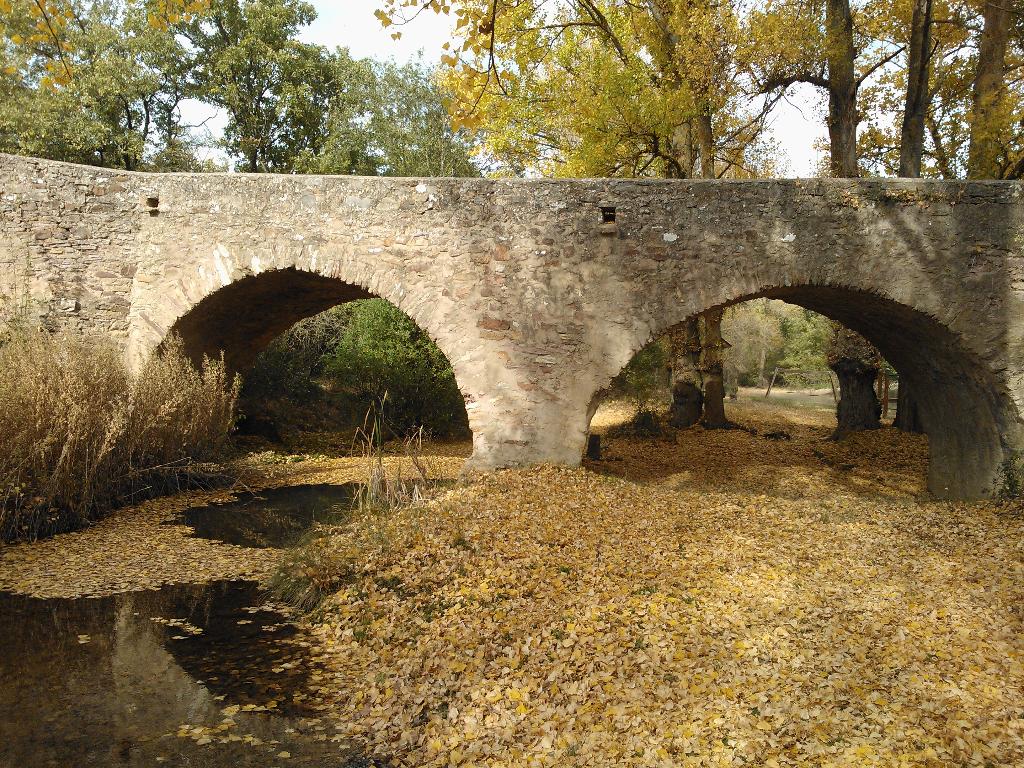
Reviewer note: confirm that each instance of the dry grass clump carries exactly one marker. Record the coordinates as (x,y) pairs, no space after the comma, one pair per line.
(82,435)
(385,488)
(331,557)
(382,522)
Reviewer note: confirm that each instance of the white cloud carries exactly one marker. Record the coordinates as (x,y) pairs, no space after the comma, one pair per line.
(351,24)
(797,124)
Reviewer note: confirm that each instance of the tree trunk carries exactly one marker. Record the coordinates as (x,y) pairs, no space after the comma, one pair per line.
(682,149)
(939,147)
(842,89)
(858,406)
(687,398)
(989,89)
(706,146)
(856,365)
(711,365)
(908,417)
(853,359)
(918,94)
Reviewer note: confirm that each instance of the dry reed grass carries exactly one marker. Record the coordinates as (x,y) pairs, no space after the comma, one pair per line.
(82,435)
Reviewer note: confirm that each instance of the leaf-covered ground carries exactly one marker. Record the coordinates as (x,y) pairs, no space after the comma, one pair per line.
(750,601)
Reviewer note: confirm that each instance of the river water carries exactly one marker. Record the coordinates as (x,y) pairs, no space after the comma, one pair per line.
(188,675)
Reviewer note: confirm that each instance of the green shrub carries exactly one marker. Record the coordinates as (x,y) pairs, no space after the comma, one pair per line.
(82,435)
(369,355)
(385,361)
(291,365)
(1010,480)
(312,569)
(805,348)
(645,377)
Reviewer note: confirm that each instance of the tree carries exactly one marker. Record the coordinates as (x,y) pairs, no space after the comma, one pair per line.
(842,84)
(856,364)
(712,361)
(755,332)
(806,337)
(288,369)
(642,379)
(97,83)
(276,90)
(919,53)
(602,89)
(687,390)
(826,44)
(394,124)
(973,103)
(410,125)
(383,358)
(991,109)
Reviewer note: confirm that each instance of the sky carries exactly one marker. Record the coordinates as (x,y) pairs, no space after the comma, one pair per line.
(796,124)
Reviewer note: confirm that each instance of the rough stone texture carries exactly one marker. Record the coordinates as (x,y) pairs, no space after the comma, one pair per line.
(535,302)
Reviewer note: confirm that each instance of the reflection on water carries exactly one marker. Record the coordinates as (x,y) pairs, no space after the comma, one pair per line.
(273,518)
(112,681)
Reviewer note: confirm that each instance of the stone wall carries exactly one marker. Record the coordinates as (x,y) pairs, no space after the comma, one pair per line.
(536,299)
(67,241)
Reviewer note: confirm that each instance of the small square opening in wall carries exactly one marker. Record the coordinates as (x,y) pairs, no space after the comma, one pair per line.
(152,202)
(607,214)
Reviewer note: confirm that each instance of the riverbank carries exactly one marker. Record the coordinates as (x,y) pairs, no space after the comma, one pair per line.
(647,625)
(148,638)
(146,546)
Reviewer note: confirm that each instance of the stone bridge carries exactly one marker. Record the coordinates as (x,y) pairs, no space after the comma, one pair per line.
(539,291)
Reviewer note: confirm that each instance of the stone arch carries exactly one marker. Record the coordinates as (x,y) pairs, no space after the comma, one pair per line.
(970,416)
(241,318)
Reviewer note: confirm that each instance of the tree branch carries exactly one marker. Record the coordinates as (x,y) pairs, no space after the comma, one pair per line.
(880,63)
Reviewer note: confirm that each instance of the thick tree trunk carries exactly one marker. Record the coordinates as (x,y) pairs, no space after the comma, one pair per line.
(853,359)
(989,89)
(711,365)
(907,416)
(687,397)
(682,150)
(843,135)
(859,408)
(842,89)
(918,94)
(856,365)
